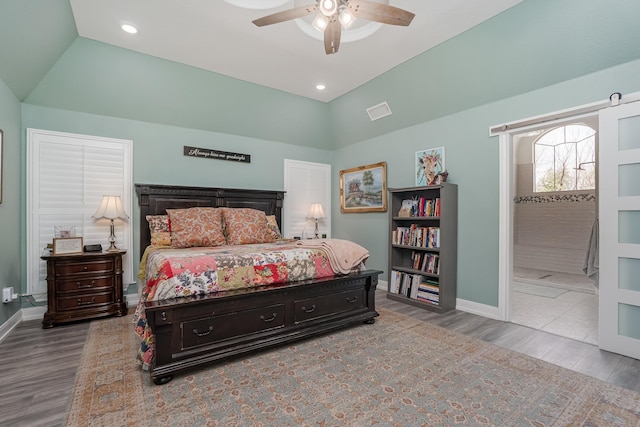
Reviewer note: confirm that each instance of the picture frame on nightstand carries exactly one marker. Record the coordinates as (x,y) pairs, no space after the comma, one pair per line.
(67,246)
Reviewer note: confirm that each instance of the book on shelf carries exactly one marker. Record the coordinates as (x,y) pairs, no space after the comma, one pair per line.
(414,286)
(428,290)
(424,261)
(428,207)
(434,299)
(414,235)
(420,207)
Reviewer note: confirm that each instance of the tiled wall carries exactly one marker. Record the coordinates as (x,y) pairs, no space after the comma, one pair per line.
(551,230)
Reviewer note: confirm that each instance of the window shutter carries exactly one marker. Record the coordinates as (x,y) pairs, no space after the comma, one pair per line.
(67,175)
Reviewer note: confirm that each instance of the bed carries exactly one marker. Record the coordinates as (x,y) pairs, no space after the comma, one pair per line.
(188,332)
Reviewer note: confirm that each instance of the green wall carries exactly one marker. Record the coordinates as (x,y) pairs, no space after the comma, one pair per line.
(471,158)
(539,56)
(532,45)
(33,35)
(158,157)
(98,78)
(11,195)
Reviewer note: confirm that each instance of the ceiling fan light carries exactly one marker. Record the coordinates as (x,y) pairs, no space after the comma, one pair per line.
(328,7)
(320,23)
(346,19)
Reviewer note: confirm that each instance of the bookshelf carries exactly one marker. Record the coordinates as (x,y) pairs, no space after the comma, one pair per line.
(423,237)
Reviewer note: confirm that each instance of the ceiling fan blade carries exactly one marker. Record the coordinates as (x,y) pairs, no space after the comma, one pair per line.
(332,35)
(286,15)
(380,12)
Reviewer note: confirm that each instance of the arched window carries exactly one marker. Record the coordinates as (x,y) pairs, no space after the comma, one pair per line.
(565,159)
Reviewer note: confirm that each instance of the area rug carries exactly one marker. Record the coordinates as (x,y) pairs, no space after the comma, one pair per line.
(397,372)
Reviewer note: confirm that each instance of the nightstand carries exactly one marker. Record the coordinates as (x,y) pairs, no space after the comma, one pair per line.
(83,286)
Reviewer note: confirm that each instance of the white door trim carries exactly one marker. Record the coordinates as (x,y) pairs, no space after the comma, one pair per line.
(505,225)
(506,188)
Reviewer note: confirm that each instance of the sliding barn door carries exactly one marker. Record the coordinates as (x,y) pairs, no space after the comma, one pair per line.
(620,229)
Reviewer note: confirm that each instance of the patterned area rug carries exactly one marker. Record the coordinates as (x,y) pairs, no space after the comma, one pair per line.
(398,372)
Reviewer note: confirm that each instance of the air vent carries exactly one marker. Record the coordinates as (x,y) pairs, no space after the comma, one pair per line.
(379,111)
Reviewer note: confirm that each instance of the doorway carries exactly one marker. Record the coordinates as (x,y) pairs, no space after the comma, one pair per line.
(554,212)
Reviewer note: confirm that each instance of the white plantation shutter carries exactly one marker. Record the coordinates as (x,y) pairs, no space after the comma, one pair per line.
(306,183)
(67,175)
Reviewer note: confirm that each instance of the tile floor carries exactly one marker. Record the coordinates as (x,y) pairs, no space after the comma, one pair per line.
(561,304)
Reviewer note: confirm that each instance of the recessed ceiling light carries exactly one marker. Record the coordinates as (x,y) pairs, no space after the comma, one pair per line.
(320,86)
(129,28)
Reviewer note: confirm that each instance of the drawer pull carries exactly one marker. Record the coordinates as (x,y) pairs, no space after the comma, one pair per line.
(80,302)
(86,267)
(203,334)
(89,285)
(164,315)
(271,319)
(310,310)
(352,300)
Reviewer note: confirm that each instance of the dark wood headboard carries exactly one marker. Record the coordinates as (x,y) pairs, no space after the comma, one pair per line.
(156,199)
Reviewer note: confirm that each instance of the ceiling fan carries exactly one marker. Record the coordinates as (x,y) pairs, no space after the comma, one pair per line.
(335,15)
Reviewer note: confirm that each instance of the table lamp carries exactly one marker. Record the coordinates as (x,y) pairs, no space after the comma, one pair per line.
(111,208)
(316,213)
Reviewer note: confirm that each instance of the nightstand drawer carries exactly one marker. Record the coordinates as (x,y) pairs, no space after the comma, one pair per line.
(83,287)
(84,301)
(69,268)
(89,284)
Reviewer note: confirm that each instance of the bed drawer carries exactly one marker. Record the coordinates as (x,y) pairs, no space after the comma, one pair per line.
(84,301)
(218,328)
(332,304)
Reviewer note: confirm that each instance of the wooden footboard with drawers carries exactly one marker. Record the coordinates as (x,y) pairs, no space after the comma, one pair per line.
(197,330)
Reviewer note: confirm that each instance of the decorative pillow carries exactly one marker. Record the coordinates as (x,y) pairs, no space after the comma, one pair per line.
(159,229)
(246,225)
(196,227)
(274,229)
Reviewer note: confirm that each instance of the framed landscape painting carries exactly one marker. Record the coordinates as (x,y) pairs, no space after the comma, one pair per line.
(364,189)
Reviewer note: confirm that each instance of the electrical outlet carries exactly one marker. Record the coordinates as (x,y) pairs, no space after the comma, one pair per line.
(7,294)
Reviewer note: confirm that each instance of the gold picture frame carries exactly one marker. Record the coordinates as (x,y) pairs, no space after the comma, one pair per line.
(364,189)
(67,246)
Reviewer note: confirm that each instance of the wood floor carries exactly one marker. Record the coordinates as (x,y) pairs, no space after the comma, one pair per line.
(39,368)
(39,365)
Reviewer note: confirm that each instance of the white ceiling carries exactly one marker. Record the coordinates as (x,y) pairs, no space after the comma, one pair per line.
(218,36)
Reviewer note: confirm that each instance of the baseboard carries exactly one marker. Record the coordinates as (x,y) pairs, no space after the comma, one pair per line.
(477,308)
(132,300)
(463,305)
(37,312)
(10,324)
(33,313)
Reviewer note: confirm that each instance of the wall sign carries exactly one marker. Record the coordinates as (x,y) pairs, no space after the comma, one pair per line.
(207,153)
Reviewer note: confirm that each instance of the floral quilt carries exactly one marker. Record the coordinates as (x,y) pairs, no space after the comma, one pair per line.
(172,273)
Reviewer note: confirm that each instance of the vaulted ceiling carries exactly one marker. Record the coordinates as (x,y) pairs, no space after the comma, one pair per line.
(218,36)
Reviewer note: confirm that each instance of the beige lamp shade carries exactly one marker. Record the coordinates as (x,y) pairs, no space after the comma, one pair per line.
(315,211)
(111,208)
